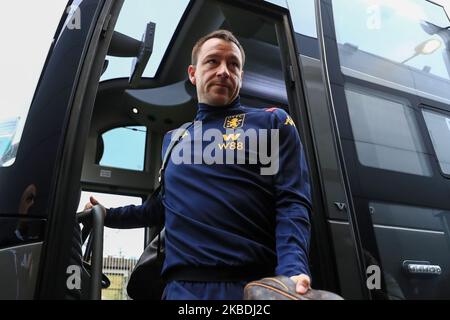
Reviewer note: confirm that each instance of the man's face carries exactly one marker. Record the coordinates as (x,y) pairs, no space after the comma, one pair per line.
(218,72)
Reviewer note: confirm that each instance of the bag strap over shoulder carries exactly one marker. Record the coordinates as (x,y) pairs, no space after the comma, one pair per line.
(180,132)
(145,281)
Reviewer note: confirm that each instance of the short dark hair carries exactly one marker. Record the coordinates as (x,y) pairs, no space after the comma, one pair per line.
(220,34)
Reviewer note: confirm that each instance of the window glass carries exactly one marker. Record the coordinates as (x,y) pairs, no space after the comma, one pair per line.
(398,215)
(303,17)
(21,68)
(386,133)
(124,148)
(132,21)
(8,150)
(121,247)
(438,126)
(445,4)
(404,42)
(281,3)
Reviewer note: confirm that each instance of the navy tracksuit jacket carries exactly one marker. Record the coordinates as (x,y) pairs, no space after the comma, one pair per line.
(230,215)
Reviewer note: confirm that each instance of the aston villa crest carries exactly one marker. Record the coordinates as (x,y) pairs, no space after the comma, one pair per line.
(234,122)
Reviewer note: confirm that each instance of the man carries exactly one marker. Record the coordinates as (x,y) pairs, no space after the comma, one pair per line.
(226,223)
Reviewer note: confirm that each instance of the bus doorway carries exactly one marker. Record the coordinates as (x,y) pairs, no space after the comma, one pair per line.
(163,99)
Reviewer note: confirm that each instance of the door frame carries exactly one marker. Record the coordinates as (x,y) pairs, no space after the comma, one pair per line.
(65,193)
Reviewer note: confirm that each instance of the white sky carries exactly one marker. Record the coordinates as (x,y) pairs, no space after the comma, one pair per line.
(445,4)
(24,51)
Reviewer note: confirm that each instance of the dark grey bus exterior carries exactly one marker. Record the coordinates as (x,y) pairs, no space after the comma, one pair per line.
(366,84)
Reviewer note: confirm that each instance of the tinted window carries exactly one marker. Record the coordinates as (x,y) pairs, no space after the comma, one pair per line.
(404,42)
(124,148)
(438,125)
(21,68)
(386,132)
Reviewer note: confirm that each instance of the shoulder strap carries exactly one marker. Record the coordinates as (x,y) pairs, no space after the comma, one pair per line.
(169,149)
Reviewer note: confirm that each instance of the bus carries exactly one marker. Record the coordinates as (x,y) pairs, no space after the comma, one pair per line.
(92,86)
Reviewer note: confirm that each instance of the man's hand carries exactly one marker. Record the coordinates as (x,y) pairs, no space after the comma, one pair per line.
(88,206)
(91,204)
(302,282)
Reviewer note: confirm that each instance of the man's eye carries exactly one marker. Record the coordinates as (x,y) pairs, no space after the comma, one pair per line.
(211,61)
(235,65)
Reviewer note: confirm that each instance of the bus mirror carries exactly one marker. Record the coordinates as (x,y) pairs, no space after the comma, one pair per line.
(145,51)
(123,46)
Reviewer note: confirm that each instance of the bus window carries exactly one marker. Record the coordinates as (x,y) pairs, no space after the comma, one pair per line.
(387,142)
(124,148)
(401,44)
(20,69)
(8,128)
(383,63)
(133,16)
(303,17)
(121,248)
(281,3)
(438,125)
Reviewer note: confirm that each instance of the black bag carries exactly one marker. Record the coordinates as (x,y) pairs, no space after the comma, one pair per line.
(145,281)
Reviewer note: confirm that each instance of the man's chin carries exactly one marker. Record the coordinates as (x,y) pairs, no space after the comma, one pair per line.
(219,101)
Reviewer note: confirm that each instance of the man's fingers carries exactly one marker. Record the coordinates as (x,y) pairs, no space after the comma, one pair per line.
(302,286)
(93,201)
(302,282)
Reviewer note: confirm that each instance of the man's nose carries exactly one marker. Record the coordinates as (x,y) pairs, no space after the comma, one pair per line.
(223,70)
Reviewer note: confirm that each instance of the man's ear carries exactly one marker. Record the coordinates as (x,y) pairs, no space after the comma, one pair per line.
(191,73)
